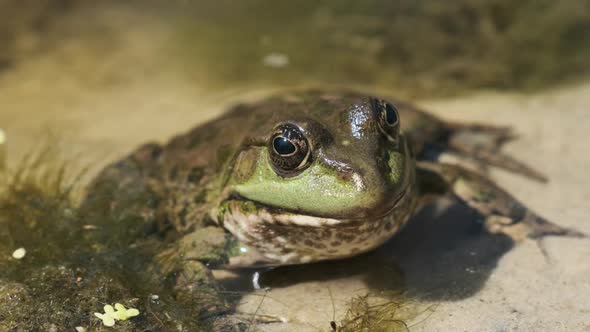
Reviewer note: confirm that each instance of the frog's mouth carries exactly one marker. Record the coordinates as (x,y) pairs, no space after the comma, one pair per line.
(287,217)
(275,236)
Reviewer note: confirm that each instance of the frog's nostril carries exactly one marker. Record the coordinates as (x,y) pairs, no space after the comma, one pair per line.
(351,176)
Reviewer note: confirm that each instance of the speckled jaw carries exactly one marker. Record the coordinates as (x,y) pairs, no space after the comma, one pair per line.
(282,238)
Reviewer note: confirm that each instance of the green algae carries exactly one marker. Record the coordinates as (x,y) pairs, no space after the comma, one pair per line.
(415,47)
(424,47)
(71,270)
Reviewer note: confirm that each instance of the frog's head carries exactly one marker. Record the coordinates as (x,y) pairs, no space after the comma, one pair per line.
(322,161)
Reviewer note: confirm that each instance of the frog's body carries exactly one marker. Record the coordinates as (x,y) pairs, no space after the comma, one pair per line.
(309,176)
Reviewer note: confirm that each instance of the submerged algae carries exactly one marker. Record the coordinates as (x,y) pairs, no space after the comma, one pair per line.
(78,260)
(424,47)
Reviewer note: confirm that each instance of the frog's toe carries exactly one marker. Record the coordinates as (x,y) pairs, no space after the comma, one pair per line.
(531,226)
(540,227)
(489,136)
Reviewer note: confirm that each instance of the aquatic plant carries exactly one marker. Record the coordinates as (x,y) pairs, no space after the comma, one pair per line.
(78,259)
(383,313)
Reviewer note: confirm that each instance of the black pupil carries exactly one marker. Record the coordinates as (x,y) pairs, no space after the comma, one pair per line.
(390,114)
(283,146)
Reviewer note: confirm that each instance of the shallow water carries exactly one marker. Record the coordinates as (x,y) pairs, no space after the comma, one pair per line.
(105,78)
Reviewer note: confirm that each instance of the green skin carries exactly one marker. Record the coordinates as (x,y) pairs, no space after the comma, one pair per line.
(217,196)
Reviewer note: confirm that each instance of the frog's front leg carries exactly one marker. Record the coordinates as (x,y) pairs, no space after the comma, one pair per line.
(193,254)
(189,261)
(498,208)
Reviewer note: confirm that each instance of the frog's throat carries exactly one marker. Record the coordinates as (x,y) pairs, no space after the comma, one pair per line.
(283,216)
(283,237)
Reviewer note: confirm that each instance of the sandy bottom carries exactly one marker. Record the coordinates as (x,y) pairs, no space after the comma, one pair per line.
(99,108)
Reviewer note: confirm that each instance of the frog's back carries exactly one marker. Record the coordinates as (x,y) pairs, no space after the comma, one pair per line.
(187,173)
(157,183)
(208,146)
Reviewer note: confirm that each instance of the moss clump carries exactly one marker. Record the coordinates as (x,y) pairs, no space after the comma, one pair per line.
(71,270)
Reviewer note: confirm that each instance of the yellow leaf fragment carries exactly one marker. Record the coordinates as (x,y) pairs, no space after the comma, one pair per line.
(119,312)
(107,319)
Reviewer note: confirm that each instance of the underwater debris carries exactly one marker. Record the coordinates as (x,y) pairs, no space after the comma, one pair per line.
(122,313)
(19,253)
(107,318)
(390,313)
(275,60)
(111,315)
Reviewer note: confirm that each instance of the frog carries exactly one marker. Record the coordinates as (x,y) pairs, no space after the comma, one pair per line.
(308,176)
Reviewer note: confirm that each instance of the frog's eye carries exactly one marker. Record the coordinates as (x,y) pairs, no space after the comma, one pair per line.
(391,117)
(289,150)
(388,117)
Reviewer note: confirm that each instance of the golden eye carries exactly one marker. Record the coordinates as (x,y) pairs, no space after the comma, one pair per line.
(289,150)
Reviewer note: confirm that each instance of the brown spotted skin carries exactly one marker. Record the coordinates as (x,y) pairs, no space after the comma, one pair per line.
(183,177)
(177,187)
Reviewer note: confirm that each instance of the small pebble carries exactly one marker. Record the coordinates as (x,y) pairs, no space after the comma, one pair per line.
(276,60)
(255,280)
(19,253)
(155,299)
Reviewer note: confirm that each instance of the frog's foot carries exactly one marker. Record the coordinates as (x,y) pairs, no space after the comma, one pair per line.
(501,211)
(530,226)
(482,143)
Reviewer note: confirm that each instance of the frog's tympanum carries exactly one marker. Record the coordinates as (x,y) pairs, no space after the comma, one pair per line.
(310,176)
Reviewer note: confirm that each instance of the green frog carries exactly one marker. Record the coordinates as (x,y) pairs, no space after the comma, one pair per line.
(308,176)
